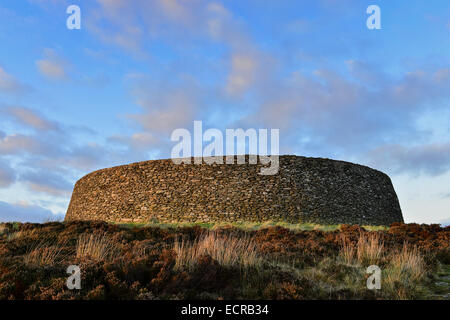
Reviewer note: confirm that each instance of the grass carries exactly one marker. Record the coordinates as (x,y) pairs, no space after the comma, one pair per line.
(347,252)
(401,268)
(96,247)
(21,234)
(221,262)
(440,287)
(406,267)
(247,226)
(44,253)
(227,250)
(408,260)
(370,249)
(3,229)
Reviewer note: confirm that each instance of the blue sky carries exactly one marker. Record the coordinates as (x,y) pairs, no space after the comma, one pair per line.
(73,101)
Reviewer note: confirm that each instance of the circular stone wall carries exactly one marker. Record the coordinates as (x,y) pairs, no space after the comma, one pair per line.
(304,190)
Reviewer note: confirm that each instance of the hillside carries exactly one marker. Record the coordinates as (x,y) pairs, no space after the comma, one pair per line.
(123,262)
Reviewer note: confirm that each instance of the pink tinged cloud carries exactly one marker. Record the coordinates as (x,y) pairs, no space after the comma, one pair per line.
(7,175)
(52,66)
(9,84)
(31,118)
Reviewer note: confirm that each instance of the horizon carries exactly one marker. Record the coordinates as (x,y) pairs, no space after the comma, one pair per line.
(73,101)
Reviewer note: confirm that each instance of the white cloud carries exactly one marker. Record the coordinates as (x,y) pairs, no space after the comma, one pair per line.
(166,107)
(138,142)
(243,73)
(432,159)
(47,182)
(420,197)
(22,212)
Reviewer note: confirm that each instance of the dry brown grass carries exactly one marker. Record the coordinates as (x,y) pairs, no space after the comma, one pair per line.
(406,268)
(227,250)
(369,250)
(347,251)
(32,234)
(97,247)
(288,265)
(403,268)
(408,260)
(3,229)
(45,253)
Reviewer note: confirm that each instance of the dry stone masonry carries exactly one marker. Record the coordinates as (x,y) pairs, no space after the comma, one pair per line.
(304,190)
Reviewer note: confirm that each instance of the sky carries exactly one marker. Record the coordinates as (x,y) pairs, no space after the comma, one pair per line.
(77,100)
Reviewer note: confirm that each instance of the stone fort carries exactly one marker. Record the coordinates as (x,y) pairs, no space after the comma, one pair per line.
(313,190)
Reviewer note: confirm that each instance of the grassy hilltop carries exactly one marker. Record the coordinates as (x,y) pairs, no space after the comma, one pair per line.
(246,261)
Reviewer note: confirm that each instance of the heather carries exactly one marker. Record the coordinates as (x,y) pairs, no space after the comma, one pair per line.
(222,261)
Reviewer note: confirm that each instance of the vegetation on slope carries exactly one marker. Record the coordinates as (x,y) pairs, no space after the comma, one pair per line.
(222,262)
